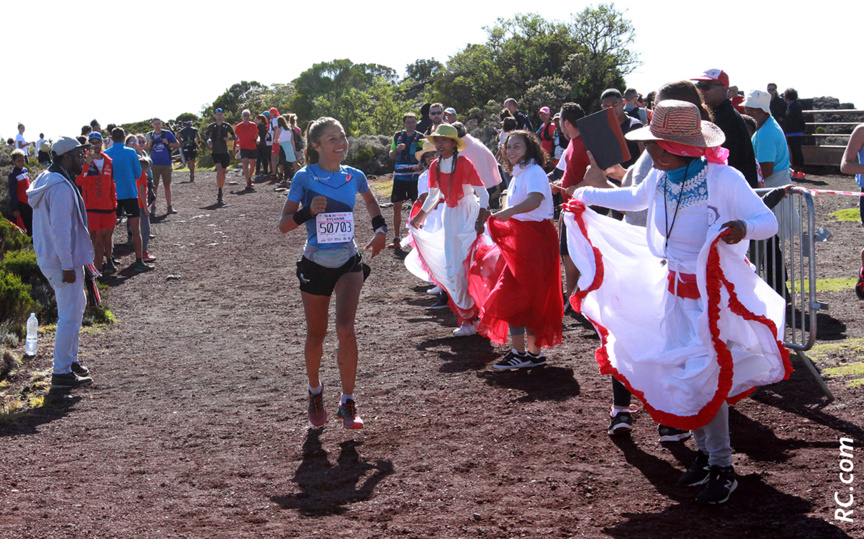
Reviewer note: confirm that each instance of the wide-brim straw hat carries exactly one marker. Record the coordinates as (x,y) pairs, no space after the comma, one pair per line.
(679,121)
(447,131)
(428,147)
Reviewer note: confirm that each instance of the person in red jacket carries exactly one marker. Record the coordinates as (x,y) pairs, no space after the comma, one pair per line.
(247,139)
(19,182)
(100,198)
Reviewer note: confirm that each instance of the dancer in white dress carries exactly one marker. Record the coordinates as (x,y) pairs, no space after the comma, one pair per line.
(685,323)
(446,253)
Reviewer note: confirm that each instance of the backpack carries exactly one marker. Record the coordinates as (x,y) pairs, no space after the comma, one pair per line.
(299,143)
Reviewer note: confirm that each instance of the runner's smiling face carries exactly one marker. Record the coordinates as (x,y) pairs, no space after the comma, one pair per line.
(332,146)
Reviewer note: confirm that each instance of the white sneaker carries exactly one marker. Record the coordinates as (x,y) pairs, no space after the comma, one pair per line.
(434,291)
(465,330)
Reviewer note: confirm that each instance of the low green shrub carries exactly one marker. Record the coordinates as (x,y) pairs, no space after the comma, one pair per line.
(370,153)
(11,237)
(15,302)
(22,263)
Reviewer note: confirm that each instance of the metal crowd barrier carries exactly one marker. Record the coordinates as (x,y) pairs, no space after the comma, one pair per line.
(787,262)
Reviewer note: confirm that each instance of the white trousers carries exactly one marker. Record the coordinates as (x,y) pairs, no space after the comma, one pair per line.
(71,301)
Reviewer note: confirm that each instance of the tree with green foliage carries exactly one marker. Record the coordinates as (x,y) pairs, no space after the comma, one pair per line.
(530,56)
(606,38)
(360,96)
(187,117)
(230,101)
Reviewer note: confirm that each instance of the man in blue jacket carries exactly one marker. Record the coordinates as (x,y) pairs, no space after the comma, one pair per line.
(126,171)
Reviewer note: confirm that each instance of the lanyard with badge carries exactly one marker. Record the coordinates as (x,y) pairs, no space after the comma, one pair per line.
(334,227)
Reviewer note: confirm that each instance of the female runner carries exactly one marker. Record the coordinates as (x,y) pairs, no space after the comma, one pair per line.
(330,260)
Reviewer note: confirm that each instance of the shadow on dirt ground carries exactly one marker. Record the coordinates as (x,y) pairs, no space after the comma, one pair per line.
(326,489)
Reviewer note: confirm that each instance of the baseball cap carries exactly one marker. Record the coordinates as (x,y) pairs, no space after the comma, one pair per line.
(94,134)
(544,110)
(450,110)
(66,145)
(716,75)
(758,99)
(266,113)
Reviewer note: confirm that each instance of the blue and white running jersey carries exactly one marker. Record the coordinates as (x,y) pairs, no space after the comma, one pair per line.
(340,188)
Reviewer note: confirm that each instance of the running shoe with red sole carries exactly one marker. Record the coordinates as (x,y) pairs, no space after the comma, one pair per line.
(348,413)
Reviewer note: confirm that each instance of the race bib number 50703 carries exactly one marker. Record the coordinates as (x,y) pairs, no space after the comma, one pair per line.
(335,227)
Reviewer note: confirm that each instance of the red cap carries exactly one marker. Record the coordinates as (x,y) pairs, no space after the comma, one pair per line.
(275,112)
(717,75)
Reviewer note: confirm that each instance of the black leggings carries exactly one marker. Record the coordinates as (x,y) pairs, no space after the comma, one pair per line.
(620,394)
(795,152)
(263,163)
(26,216)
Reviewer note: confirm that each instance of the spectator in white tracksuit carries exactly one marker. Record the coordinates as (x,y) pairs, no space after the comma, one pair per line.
(63,247)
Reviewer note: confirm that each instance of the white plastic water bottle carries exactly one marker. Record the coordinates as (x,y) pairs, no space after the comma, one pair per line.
(32,335)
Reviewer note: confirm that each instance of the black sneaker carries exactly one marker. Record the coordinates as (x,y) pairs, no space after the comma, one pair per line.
(441,303)
(80,369)
(621,423)
(141,267)
(219,197)
(108,268)
(721,483)
(535,361)
(697,473)
(70,380)
(671,434)
(513,360)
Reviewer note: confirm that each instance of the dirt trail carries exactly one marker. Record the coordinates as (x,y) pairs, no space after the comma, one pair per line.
(196,426)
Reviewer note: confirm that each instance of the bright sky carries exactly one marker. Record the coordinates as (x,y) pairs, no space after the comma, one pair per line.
(68,63)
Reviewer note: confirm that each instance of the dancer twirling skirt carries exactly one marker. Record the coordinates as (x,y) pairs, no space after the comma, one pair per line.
(516,280)
(685,323)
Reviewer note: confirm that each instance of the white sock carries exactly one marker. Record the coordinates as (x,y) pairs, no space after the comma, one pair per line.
(618,409)
(316,390)
(346,398)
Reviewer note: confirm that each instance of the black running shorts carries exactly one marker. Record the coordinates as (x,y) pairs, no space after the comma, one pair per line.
(221,159)
(404,190)
(318,280)
(129,206)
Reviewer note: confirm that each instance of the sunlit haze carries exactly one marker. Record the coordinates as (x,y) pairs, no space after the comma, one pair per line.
(68,63)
